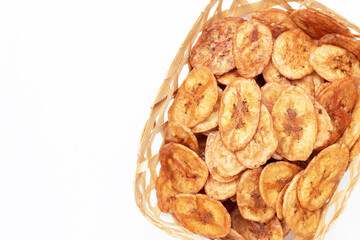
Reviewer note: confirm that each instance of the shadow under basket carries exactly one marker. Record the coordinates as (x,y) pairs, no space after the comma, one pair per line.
(152,137)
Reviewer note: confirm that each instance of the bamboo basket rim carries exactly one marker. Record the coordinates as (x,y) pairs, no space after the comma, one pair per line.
(147,162)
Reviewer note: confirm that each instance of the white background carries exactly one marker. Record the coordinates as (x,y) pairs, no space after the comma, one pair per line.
(77,79)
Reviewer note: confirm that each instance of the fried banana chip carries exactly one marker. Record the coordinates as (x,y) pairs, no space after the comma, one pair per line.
(270,92)
(291,54)
(222,163)
(233,235)
(239,113)
(322,176)
(324,127)
(321,88)
(262,146)
(214,47)
(334,63)
(280,201)
(273,178)
(317,24)
(277,20)
(302,222)
(220,191)
(251,230)
(211,121)
(164,191)
(187,171)
(349,43)
(202,215)
(252,48)
(355,150)
(338,99)
(295,124)
(271,74)
(178,133)
(251,205)
(229,77)
(306,84)
(317,81)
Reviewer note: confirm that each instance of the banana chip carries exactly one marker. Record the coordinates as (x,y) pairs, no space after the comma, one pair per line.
(291,54)
(302,222)
(322,176)
(251,230)
(317,80)
(338,99)
(220,191)
(295,124)
(249,200)
(280,201)
(317,24)
(349,43)
(270,92)
(306,84)
(239,113)
(211,121)
(164,191)
(214,47)
(262,146)
(321,88)
(229,77)
(272,75)
(178,133)
(222,163)
(273,179)
(324,127)
(202,215)
(195,99)
(187,171)
(252,48)
(334,63)
(277,20)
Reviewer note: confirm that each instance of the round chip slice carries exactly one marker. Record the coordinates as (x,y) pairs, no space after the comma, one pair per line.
(302,222)
(214,47)
(195,99)
(272,75)
(306,84)
(273,179)
(187,171)
(220,191)
(262,146)
(277,20)
(280,201)
(324,127)
(252,48)
(349,43)
(222,163)
(295,124)
(317,24)
(239,113)
(250,230)
(202,215)
(291,54)
(270,92)
(178,133)
(229,77)
(334,63)
(322,176)
(249,200)
(164,191)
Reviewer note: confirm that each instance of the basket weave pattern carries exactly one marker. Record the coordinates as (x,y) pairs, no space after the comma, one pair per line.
(148,161)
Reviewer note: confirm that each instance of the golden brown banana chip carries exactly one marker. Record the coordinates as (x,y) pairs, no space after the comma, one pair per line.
(280,201)
(306,84)
(338,99)
(277,20)
(252,48)
(249,200)
(233,235)
(302,222)
(317,81)
(285,228)
(273,178)
(251,230)
(211,121)
(334,63)
(349,43)
(202,215)
(164,191)
(229,77)
(321,88)
(187,171)
(239,113)
(291,54)
(195,99)
(317,24)
(322,176)
(214,47)
(222,163)
(271,74)
(270,92)
(262,146)
(355,150)
(220,191)
(324,126)
(179,133)
(295,124)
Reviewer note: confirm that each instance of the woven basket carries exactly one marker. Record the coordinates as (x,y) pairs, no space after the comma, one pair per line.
(151,139)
